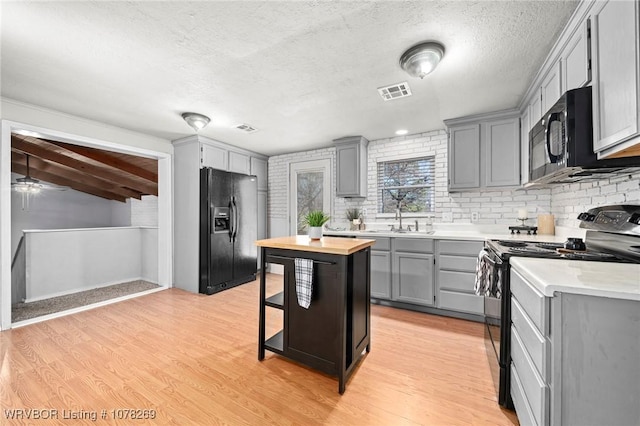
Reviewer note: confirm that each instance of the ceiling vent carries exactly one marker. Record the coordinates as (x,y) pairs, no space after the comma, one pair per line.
(246,128)
(395,91)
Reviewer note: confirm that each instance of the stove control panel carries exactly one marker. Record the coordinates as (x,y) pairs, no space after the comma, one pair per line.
(618,218)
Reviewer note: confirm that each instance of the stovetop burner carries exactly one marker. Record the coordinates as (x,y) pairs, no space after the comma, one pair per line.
(512,243)
(550,246)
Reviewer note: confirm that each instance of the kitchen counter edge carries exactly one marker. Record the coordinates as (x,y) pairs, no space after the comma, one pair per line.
(601,279)
(327,244)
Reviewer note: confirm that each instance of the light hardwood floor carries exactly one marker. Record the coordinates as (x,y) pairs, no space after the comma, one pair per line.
(193,359)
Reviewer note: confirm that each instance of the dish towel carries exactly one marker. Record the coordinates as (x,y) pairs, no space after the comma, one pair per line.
(304,281)
(483,282)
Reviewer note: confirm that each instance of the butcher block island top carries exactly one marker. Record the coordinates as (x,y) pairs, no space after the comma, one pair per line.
(330,245)
(324,300)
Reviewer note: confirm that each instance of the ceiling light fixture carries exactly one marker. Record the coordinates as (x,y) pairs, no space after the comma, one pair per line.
(401,132)
(195,120)
(27,187)
(422,58)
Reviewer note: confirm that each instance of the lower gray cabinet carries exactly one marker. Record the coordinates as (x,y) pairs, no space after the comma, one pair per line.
(413,278)
(380,274)
(456,266)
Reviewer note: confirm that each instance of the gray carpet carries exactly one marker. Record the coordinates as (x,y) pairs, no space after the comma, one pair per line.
(25,311)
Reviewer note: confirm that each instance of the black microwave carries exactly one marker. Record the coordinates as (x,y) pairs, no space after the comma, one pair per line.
(561,144)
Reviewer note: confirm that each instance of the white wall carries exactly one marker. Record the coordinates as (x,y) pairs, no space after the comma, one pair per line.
(68,261)
(144,212)
(51,209)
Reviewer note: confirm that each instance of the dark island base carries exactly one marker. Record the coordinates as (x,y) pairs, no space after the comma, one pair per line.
(334,332)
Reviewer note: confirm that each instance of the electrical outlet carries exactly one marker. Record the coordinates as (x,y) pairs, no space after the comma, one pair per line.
(364,212)
(475,216)
(447,217)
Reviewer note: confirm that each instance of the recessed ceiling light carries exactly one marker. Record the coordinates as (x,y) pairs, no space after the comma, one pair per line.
(401,132)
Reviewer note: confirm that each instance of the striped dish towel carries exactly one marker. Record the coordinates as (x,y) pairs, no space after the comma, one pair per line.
(483,282)
(304,281)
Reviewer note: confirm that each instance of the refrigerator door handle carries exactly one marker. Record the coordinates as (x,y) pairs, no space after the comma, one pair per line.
(232,221)
(235,218)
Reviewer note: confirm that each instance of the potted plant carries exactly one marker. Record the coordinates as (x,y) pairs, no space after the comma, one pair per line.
(354,216)
(315,220)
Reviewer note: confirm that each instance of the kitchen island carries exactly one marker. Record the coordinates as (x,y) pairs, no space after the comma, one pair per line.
(334,331)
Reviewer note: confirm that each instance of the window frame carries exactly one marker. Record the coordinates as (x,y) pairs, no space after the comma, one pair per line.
(379,188)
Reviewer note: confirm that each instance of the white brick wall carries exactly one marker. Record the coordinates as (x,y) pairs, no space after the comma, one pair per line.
(569,200)
(494,206)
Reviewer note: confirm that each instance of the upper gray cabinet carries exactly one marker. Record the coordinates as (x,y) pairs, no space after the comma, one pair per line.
(551,88)
(464,156)
(616,76)
(259,168)
(351,166)
(484,151)
(239,163)
(502,152)
(576,69)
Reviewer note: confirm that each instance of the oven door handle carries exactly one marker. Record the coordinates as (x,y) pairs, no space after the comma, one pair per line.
(491,261)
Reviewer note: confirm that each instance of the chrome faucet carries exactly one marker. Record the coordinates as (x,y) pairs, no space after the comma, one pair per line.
(399,216)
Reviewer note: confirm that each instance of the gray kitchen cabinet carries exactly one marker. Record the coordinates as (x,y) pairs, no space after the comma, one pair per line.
(575,60)
(502,152)
(380,274)
(259,169)
(615,27)
(525,121)
(214,156)
(351,166)
(574,357)
(413,262)
(484,151)
(455,276)
(464,157)
(239,163)
(551,88)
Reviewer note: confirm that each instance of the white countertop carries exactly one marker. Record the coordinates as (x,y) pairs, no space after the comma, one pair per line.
(604,279)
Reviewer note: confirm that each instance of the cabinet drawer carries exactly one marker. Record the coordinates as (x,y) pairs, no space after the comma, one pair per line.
(457,263)
(525,416)
(458,281)
(382,243)
(534,342)
(417,245)
(533,302)
(535,389)
(461,302)
(469,248)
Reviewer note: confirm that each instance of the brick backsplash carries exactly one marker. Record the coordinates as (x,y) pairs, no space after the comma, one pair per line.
(494,206)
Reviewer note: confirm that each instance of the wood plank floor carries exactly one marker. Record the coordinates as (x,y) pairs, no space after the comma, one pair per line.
(193,360)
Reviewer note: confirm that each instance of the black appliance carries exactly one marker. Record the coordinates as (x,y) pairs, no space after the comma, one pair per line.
(228,229)
(561,144)
(613,235)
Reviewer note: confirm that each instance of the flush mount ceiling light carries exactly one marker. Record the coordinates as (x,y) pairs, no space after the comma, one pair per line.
(422,58)
(195,120)
(401,132)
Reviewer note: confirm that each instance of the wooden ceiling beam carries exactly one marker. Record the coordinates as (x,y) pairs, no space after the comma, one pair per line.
(56,154)
(111,159)
(58,180)
(73,178)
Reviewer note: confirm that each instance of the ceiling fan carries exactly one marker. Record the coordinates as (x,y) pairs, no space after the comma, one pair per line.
(28,186)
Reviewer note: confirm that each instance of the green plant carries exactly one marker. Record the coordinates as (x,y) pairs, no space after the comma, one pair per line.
(353,214)
(315,218)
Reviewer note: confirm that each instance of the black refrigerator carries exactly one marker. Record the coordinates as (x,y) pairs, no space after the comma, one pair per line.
(228,229)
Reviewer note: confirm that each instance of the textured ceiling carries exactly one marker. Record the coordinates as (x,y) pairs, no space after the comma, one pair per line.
(302,72)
